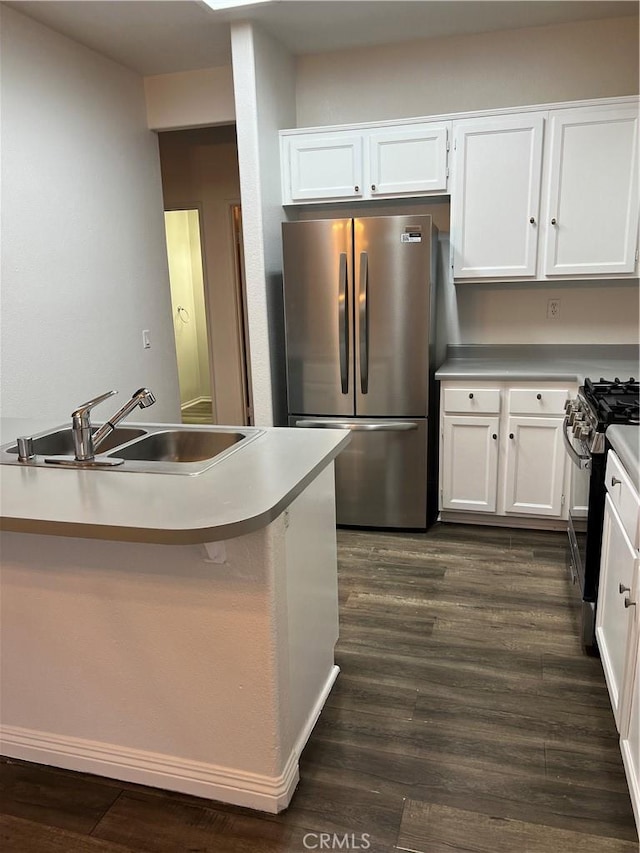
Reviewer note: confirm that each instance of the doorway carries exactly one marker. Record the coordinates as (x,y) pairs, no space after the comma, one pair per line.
(188,303)
(201,186)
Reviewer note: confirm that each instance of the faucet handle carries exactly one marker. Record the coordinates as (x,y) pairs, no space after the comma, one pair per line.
(81,414)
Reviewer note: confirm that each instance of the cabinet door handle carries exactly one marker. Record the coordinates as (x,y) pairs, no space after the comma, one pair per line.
(538,396)
(357,189)
(510,435)
(471,396)
(615,481)
(373,187)
(622,588)
(532,220)
(495,436)
(554,221)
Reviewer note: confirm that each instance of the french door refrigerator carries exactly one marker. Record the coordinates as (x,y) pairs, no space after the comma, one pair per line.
(359,314)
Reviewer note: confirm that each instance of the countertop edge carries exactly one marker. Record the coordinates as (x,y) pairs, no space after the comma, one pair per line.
(168,536)
(627,450)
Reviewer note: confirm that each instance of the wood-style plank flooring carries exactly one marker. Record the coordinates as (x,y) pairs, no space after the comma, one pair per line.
(465,718)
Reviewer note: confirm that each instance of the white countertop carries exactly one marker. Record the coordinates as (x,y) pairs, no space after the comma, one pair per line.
(239,494)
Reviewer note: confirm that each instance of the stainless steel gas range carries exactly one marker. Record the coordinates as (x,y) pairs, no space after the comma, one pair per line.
(597,406)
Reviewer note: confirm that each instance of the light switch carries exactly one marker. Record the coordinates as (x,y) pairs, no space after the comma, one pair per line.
(146,339)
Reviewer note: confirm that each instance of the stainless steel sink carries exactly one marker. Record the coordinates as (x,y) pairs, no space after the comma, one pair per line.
(60,442)
(149,449)
(179,445)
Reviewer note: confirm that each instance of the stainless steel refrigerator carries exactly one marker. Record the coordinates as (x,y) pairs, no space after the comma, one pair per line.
(359,314)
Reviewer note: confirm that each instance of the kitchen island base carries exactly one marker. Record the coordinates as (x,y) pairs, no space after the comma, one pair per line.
(199,669)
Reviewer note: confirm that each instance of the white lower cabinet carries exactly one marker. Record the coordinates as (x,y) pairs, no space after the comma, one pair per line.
(613,620)
(470,462)
(502,451)
(617,617)
(630,733)
(535,466)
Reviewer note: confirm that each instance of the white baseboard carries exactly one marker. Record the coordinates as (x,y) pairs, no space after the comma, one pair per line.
(211,781)
(312,719)
(194,402)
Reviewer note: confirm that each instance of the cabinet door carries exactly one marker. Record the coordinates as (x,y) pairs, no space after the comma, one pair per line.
(325,166)
(469,462)
(409,161)
(613,620)
(630,729)
(496,195)
(535,466)
(592,210)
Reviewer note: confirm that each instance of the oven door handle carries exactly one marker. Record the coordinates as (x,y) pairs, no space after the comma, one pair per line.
(583,462)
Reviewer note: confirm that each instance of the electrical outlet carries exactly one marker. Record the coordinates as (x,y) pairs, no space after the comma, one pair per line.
(553,309)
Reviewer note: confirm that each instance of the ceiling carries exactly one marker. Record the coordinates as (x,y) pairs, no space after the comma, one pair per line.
(164,36)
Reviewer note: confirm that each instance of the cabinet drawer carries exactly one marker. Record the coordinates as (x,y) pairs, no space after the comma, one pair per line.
(537,401)
(624,497)
(472,400)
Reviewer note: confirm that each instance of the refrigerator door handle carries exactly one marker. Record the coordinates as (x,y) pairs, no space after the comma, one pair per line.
(343,323)
(363,307)
(386,426)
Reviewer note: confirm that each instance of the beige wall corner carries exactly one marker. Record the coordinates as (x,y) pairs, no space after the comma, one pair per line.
(190,99)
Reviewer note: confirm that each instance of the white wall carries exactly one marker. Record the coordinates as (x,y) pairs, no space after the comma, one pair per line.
(563,62)
(190,98)
(84,267)
(264,79)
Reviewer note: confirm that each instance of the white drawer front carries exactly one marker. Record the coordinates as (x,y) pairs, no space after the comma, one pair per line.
(472,400)
(537,401)
(624,497)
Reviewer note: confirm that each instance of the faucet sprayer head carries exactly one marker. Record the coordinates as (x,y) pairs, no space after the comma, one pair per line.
(144,397)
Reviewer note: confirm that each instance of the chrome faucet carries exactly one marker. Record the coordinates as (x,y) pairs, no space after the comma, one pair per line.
(85,441)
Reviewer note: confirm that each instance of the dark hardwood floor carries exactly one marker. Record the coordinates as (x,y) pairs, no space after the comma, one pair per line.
(465,718)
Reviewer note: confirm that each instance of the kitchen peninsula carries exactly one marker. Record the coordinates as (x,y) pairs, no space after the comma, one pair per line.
(176,631)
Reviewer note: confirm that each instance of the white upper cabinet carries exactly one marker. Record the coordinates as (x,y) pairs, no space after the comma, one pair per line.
(538,195)
(408,160)
(325,166)
(591,215)
(364,163)
(496,196)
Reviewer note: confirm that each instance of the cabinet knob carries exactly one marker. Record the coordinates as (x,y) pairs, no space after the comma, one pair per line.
(373,187)
(532,220)
(554,221)
(471,396)
(628,603)
(511,435)
(538,396)
(495,436)
(622,588)
(615,481)
(357,189)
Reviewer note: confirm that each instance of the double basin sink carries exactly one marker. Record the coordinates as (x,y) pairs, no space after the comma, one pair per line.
(148,449)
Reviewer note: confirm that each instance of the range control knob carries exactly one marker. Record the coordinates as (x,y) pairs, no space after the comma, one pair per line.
(584,432)
(569,405)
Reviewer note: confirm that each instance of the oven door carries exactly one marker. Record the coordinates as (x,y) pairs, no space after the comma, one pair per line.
(579,508)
